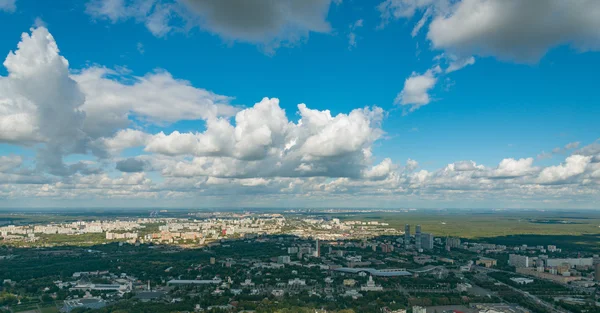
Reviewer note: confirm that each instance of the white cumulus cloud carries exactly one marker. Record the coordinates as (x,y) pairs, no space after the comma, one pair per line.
(416,89)
(573,166)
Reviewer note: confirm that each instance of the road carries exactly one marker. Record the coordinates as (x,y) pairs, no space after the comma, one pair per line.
(524,293)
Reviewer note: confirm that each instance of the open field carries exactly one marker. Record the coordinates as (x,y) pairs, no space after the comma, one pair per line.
(488,223)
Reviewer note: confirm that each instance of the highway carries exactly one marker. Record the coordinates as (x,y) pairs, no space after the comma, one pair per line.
(535,299)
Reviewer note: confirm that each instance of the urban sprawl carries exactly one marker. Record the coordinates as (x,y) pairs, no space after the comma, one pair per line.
(226,262)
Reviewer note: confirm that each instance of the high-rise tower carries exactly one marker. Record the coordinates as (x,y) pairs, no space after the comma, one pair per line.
(418,237)
(317,249)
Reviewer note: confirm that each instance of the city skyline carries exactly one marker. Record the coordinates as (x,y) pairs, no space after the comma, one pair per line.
(386,104)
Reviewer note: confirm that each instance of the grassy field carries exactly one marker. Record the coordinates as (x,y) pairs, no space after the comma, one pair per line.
(35,308)
(484,224)
(32,307)
(51,308)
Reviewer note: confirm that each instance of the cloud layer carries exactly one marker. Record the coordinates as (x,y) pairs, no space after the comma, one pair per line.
(100,117)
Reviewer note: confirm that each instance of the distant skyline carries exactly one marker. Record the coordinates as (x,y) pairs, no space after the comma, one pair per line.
(291,104)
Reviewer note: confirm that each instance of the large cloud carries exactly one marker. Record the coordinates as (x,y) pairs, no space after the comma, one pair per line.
(515,30)
(263,142)
(511,168)
(573,166)
(269,23)
(41,103)
(257,129)
(156,97)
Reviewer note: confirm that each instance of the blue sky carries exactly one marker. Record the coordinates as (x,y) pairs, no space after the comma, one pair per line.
(521,99)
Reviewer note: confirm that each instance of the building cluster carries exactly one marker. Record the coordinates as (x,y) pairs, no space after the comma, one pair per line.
(211,229)
(31,232)
(421,241)
(119,284)
(561,270)
(335,229)
(205,228)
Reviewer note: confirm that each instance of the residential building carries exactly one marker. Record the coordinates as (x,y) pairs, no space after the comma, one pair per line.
(453,242)
(518,261)
(418,237)
(283,259)
(386,248)
(426,241)
(548,276)
(571,261)
(487,262)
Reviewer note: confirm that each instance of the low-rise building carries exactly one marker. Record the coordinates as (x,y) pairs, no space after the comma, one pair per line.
(352,293)
(297,282)
(487,262)
(419,309)
(522,280)
(86,303)
(548,276)
(278,292)
(349,282)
